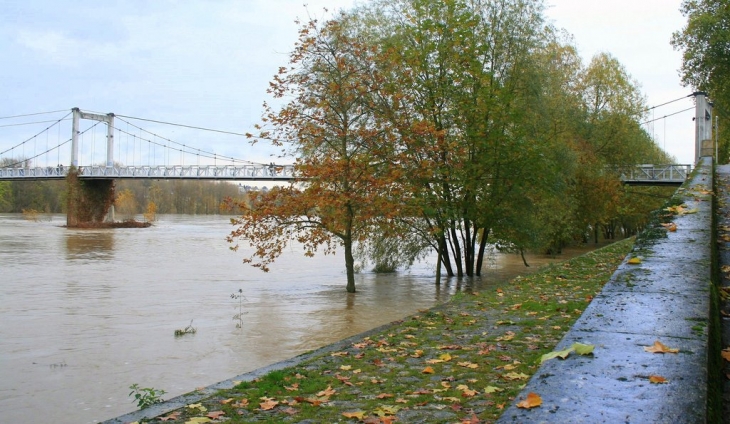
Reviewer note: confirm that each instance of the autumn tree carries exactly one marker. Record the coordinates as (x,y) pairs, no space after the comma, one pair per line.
(705,66)
(458,77)
(342,192)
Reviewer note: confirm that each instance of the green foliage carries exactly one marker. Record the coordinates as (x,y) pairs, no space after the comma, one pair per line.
(703,43)
(147,396)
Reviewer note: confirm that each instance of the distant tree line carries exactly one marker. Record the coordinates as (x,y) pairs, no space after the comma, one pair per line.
(196,197)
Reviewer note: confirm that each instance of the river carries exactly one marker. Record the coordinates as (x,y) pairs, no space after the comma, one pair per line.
(84,314)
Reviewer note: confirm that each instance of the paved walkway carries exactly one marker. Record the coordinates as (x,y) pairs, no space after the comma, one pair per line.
(666,298)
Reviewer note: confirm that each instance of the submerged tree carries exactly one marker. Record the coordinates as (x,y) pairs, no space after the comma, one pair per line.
(343,193)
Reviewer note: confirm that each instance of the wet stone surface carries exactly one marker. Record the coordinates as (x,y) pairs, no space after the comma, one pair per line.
(666,297)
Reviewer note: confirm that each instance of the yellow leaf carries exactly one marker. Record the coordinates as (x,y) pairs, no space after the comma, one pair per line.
(533,400)
(635,260)
(583,349)
(492,389)
(445,357)
(428,370)
(562,354)
(360,415)
(198,406)
(656,379)
(346,367)
(198,420)
(659,347)
(516,376)
(382,411)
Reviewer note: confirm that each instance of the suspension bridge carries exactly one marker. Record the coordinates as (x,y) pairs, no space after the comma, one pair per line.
(128,151)
(52,162)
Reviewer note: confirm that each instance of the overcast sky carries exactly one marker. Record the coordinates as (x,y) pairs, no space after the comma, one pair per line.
(208,63)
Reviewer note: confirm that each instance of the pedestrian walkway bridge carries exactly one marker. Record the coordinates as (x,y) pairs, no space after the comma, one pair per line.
(257,172)
(672,175)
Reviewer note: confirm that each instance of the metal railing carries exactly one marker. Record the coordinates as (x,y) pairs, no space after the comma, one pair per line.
(653,174)
(192,172)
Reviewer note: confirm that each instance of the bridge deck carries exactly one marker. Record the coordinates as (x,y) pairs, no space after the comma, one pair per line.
(192,172)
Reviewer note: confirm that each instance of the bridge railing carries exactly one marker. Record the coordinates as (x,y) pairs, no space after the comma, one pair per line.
(673,173)
(191,172)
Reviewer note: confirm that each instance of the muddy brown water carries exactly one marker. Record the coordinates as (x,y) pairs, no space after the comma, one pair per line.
(84,314)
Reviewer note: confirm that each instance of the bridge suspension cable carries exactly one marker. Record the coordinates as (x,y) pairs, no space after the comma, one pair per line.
(666,116)
(185,148)
(666,103)
(36,135)
(33,114)
(182,125)
(12,165)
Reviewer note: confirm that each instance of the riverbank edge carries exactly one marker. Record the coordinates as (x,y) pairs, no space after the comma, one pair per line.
(158,410)
(205,392)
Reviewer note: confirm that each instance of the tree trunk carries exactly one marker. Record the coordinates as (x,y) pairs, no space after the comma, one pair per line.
(468,249)
(457,251)
(444,255)
(350,266)
(482,247)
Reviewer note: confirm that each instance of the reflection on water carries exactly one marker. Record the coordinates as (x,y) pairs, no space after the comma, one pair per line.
(106,303)
(89,244)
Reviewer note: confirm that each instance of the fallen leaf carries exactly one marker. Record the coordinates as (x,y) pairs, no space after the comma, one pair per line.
(562,354)
(671,227)
(360,415)
(226,401)
(726,354)
(445,357)
(214,415)
(635,260)
(198,420)
(492,389)
(533,400)
(329,391)
(583,349)
(345,367)
(294,387)
(659,347)
(516,376)
(468,365)
(268,404)
(171,417)
(384,396)
(290,411)
(656,379)
(385,410)
(198,406)
(428,370)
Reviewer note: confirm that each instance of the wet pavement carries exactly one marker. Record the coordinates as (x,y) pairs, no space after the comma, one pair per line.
(667,298)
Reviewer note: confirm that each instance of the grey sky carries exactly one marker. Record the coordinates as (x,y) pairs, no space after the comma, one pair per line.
(208,63)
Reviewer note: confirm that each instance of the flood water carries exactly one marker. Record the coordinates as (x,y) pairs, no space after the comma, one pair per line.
(84,314)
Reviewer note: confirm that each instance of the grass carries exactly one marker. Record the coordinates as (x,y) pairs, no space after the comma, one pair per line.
(463,361)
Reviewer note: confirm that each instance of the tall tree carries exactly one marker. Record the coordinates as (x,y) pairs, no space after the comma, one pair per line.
(328,125)
(705,46)
(459,77)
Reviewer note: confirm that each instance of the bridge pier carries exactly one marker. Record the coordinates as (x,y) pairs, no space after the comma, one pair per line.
(88,201)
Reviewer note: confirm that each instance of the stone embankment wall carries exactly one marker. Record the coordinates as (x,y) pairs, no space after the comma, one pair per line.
(667,297)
